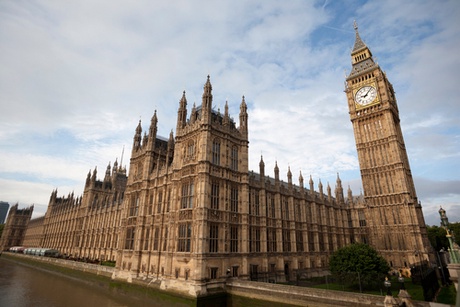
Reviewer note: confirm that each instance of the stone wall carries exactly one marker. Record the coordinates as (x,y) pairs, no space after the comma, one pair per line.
(74,265)
(303,296)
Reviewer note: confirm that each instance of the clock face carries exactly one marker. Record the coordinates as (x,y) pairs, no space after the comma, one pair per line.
(365,95)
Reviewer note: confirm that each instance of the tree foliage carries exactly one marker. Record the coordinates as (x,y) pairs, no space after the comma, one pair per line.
(437,235)
(358,264)
(358,258)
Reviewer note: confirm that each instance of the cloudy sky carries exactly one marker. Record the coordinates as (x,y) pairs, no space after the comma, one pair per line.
(76,77)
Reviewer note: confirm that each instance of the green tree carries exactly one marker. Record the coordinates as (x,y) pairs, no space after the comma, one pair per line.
(437,235)
(358,265)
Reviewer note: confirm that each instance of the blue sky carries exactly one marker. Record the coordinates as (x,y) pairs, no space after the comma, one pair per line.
(76,78)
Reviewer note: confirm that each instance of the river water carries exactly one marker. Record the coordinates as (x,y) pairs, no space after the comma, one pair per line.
(25,286)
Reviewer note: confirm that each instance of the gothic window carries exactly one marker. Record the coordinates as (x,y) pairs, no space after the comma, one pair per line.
(297,213)
(190,149)
(235,271)
(311,242)
(185,234)
(362,218)
(271,239)
(187,195)
(216,152)
(129,241)
(147,238)
(286,240)
(213,238)
(234,199)
(168,200)
(234,159)
(150,208)
(299,241)
(254,205)
(321,241)
(165,239)
(233,239)
(254,239)
(215,195)
(270,206)
(285,208)
(134,206)
(156,238)
(160,201)
(214,273)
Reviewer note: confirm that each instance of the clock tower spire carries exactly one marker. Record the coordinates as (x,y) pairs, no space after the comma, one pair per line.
(395,224)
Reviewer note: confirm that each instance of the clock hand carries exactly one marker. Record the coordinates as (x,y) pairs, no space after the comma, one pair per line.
(364,96)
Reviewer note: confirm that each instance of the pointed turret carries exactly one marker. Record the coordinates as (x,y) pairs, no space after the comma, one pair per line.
(182,112)
(339,190)
(277,172)
(361,57)
(312,186)
(193,115)
(88,178)
(289,176)
(94,177)
(320,187)
(153,127)
(350,196)
(170,153)
(206,104)
(301,180)
(226,118)
(137,137)
(329,194)
(243,117)
(262,169)
(359,44)
(107,173)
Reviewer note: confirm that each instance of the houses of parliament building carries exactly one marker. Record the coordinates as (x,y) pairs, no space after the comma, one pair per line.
(190,214)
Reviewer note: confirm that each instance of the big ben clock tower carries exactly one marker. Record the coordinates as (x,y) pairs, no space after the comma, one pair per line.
(394,224)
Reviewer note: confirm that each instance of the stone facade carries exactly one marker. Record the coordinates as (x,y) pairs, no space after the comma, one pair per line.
(34,233)
(15,227)
(190,214)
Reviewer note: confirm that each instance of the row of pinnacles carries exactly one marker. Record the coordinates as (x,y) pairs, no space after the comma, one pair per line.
(94,225)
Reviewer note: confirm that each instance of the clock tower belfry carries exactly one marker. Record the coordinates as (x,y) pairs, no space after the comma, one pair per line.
(395,225)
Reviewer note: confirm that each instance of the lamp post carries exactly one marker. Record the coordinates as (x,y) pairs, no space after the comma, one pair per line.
(387,285)
(454,265)
(389,300)
(401,281)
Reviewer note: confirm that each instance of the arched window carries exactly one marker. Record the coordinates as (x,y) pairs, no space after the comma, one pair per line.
(234,159)
(216,152)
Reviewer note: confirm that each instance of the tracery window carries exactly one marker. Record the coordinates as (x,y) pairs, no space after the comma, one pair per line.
(184,237)
(215,195)
(213,238)
(216,152)
(187,195)
(234,199)
(234,158)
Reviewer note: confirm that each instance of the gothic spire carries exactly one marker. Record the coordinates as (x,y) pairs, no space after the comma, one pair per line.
(243,116)
(359,44)
(206,105)
(182,112)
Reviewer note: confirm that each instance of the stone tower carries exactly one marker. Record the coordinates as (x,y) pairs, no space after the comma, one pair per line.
(394,219)
(15,227)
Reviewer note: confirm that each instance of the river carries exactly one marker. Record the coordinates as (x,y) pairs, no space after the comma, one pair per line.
(25,286)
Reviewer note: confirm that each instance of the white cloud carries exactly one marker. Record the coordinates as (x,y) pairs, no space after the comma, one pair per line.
(76,78)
